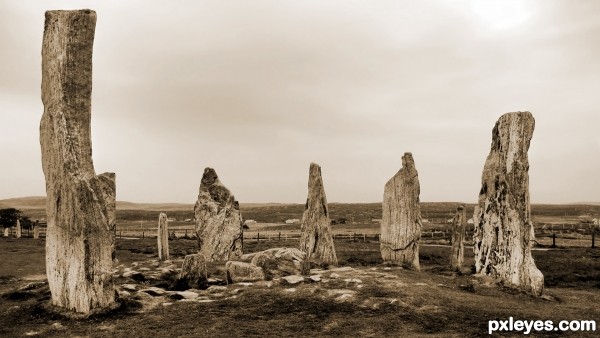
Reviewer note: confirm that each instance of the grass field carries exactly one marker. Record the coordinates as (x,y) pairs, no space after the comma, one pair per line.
(388,301)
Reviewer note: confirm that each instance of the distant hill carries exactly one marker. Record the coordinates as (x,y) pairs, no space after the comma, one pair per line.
(39,202)
(24,203)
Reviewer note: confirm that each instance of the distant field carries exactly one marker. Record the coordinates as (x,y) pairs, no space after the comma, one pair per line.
(360,213)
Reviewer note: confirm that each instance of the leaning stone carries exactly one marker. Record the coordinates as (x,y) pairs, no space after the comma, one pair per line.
(459,224)
(316,240)
(243,272)
(401,221)
(193,272)
(163,237)
(218,220)
(504,231)
(79,245)
(280,262)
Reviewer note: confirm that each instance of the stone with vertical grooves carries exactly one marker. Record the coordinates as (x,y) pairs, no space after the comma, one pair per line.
(108,186)
(316,240)
(503,229)
(79,242)
(163,237)
(459,224)
(218,220)
(401,220)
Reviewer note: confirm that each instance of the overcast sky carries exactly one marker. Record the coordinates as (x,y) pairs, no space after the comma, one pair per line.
(259,89)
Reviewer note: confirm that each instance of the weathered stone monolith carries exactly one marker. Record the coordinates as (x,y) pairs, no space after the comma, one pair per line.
(6,232)
(109,189)
(79,243)
(36,230)
(401,221)
(163,237)
(194,272)
(459,225)
(503,229)
(18,232)
(316,240)
(218,220)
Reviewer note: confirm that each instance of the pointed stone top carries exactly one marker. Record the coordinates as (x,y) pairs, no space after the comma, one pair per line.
(211,186)
(460,207)
(162,215)
(408,161)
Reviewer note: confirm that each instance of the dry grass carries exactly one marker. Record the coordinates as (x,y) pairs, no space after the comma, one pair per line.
(391,302)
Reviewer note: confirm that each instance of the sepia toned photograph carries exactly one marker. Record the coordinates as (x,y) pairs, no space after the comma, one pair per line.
(279,168)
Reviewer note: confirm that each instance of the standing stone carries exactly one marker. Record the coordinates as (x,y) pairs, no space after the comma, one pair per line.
(18,233)
(316,240)
(6,232)
(163,237)
(503,229)
(218,220)
(401,221)
(194,273)
(109,190)
(36,230)
(79,242)
(459,225)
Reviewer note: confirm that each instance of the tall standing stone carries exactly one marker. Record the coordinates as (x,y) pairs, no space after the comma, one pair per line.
(109,190)
(163,237)
(401,220)
(503,229)
(6,232)
(18,232)
(316,240)
(79,242)
(459,225)
(218,220)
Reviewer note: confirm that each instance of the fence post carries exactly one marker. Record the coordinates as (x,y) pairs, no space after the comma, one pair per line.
(121,234)
(279,236)
(554,240)
(364,237)
(257,237)
(143,235)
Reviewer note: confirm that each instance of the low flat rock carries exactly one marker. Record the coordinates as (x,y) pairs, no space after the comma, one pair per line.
(154,291)
(129,287)
(188,294)
(243,272)
(279,262)
(293,279)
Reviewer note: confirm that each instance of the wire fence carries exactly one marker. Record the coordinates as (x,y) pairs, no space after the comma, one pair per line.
(550,235)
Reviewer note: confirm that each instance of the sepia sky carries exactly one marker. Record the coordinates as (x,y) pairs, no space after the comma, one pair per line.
(259,89)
